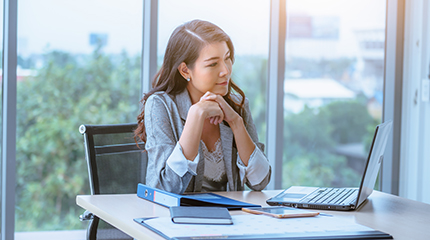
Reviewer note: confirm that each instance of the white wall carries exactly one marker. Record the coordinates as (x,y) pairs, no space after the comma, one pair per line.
(415,140)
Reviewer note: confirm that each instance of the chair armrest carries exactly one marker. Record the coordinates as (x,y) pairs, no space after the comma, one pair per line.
(87,215)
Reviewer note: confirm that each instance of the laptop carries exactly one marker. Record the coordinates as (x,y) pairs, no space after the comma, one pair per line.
(340,198)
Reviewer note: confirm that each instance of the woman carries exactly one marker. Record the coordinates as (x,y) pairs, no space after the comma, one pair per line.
(199,135)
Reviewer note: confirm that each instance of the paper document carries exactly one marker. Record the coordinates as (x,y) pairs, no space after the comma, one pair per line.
(257,225)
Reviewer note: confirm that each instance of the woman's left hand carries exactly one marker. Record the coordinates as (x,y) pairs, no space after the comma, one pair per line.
(230,115)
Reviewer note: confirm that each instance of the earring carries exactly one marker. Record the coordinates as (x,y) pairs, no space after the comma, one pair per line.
(188,79)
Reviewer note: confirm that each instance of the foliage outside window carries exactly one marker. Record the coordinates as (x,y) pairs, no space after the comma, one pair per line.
(69,90)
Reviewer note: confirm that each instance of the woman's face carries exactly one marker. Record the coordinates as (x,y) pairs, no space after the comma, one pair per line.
(211,71)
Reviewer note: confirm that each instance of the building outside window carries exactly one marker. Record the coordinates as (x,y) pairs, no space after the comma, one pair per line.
(333,89)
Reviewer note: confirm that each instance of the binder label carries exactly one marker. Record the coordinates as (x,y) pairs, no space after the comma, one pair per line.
(165,199)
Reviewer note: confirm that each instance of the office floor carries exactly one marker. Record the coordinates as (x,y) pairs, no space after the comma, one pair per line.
(51,235)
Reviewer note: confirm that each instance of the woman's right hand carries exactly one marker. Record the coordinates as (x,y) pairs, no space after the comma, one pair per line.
(208,109)
(193,128)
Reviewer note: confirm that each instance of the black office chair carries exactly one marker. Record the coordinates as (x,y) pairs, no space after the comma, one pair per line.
(115,165)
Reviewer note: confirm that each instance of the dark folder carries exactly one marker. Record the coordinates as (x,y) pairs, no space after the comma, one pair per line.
(200,215)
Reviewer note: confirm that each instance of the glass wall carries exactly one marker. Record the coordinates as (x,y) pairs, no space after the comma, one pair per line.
(78,63)
(247,23)
(333,89)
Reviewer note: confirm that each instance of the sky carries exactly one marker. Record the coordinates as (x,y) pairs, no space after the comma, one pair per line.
(46,25)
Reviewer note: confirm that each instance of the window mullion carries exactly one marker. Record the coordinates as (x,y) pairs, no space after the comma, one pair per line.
(9,119)
(275,91)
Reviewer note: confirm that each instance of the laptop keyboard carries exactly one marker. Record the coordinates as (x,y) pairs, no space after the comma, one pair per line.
(330,195)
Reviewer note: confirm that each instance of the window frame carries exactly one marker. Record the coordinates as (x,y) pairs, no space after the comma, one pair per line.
(393,82)
(8,173)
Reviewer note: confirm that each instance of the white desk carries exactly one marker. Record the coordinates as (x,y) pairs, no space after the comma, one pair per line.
(402,218)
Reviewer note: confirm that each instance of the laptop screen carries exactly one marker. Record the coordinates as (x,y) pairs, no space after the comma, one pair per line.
(376,155)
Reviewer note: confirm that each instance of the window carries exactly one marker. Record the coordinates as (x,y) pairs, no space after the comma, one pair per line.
(333,89)
(78,63)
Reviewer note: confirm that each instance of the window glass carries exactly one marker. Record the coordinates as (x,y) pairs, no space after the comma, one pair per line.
(78,63)
(247,24)
(333,89)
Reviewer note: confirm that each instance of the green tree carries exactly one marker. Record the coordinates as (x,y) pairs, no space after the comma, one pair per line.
(66,92)
(310,139)
(250,73)
(350,119)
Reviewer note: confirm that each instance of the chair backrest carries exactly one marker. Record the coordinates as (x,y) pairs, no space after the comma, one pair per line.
(116,164)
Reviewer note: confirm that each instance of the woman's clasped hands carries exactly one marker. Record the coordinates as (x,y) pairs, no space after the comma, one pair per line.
(217,109)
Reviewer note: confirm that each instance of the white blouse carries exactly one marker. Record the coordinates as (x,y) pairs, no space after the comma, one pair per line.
(215,178)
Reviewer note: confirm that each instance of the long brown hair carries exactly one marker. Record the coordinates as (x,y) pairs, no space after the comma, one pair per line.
(185,45)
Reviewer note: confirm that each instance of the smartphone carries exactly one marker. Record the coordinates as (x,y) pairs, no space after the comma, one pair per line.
(281,212)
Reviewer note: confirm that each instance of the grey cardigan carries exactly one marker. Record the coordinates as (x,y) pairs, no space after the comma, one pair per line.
(165,116)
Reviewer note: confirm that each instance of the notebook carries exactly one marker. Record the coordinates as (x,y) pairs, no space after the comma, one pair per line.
(340,198)
(200,215)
